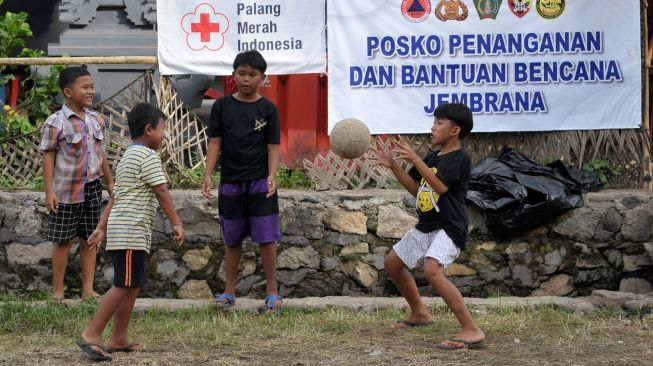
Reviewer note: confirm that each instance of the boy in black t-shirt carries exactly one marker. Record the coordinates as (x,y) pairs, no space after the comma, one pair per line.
(244,133)
(439,182)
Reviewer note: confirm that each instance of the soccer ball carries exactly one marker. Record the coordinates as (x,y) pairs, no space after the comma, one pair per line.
(350,138)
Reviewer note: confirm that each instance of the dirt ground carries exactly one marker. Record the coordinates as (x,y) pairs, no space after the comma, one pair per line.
(338,337)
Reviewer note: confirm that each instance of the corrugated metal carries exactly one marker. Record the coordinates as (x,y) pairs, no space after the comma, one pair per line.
(302,103)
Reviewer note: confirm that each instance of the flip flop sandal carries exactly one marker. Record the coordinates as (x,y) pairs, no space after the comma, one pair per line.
(91,353)
(270,302)
(220,301)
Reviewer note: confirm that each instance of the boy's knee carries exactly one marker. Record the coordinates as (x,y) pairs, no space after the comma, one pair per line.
(434,271)
(392,264)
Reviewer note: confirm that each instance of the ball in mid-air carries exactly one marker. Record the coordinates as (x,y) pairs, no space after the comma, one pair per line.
(350,138)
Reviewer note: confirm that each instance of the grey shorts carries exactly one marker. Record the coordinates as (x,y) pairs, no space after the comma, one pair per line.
(416,245)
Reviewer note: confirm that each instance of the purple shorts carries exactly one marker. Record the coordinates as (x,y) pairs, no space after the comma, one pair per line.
(244,210)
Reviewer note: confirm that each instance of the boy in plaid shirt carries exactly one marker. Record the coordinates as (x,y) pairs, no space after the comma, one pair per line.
(73,162)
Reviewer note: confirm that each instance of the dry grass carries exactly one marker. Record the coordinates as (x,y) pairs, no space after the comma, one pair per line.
(32,335)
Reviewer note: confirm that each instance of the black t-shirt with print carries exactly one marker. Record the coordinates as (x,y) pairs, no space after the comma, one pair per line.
(246,128)
(445,212)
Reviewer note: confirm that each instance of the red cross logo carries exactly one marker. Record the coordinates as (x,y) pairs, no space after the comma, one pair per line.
(205,28)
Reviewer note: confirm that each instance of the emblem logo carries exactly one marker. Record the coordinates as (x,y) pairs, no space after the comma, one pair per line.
(550,9)
(416,10)
(520,7)
(487,9)
(259,124)
(451,10)
(205,28)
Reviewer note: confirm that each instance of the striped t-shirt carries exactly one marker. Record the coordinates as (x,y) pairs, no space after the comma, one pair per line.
(132,215)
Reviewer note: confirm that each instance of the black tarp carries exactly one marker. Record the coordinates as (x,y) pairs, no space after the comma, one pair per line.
(517,193)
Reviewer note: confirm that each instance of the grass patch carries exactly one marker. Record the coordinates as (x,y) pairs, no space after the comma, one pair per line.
(45,334)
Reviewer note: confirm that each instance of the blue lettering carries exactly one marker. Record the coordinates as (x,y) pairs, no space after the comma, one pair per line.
(521,75)
(537,103)
(454,44)
(613,73)
(407,77)
(355,76)
(476,102)
(566,71)
(372,44)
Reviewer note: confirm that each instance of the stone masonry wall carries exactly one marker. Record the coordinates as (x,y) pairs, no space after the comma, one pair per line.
(333,243)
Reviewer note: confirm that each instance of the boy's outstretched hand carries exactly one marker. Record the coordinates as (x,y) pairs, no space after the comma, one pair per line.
(95,240)
(405,152)
(385,158)
(178,234)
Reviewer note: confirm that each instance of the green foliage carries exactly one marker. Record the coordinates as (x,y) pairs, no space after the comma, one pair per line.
(293,179)
(14,123)
(192,179)
(13,28)
(189,178)
(39,98)
(604,169)
(34,107)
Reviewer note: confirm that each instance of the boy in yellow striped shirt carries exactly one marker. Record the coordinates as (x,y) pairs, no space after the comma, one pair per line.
(140,183)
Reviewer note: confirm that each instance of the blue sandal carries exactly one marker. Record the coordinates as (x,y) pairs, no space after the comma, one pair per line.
(220,301)
(270,302)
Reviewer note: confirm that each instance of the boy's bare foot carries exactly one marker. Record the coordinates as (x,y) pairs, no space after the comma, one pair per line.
(124,347)
(57,296)
(91,295)
(468,338)
(413,320)
(57,299)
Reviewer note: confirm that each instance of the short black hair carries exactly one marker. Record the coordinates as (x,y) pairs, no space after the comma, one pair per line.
(141,115)
(252,58)
(459,114)
(70,74)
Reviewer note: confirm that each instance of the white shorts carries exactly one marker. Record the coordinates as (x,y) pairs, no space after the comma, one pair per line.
(416,245)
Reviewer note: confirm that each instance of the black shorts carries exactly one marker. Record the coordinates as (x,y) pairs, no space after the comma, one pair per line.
(129,268)
(77,219)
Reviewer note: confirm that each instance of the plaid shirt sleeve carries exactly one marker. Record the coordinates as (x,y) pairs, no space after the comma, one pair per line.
(50,133)
(103,128)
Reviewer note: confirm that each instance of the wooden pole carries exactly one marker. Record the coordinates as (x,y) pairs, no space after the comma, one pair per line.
(149,60)
(647,169)
(646,115)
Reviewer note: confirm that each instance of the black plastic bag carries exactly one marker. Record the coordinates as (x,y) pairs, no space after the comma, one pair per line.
(517,193)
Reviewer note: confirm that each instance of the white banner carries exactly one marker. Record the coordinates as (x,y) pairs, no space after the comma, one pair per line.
(519,65)
(204,36)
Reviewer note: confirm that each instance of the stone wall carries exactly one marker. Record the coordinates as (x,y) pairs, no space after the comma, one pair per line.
(333,243)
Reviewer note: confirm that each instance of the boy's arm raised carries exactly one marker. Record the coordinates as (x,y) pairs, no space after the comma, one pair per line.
(212,155)
(51,200)
(387,159)
(168,207)
(408,154)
